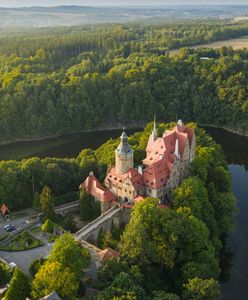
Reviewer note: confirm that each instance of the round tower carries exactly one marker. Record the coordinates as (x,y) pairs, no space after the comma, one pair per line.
(123,156)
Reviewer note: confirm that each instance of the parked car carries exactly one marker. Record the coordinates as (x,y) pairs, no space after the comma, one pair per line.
(10,228)
(6,226)
(12,265)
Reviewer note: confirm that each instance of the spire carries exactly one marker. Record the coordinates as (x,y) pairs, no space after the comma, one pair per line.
(124,147)
(177,152)
(154,131)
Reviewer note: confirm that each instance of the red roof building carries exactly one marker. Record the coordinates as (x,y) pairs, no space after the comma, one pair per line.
(107,254)
(166,164)
(5,210)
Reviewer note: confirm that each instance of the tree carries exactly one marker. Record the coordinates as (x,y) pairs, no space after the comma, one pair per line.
(52,276)
(5,274)
(167,239)
(193,194)
(202,289)
(70,254)
(69,223)
(19,287)
(47,203)
(35,266)
(123,287)
(48,226)
(161,295)
(36,201)
(89,207)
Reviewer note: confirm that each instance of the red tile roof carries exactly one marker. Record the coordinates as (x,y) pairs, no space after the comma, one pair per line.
(138,198)
(107,254)
(156,150)
(157,174)
(94,188)
(5,209)
(135,177)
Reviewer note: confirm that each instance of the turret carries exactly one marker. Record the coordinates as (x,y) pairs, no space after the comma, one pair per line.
(180,126)
(123,155)
(154,134)
(177,152)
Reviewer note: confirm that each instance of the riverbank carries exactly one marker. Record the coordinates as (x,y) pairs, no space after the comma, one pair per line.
(229,129)
(132,125)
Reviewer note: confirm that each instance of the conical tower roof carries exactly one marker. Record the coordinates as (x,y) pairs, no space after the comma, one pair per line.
(124,147)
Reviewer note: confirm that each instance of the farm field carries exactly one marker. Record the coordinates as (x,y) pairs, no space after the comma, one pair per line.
(235,43)
(238,43)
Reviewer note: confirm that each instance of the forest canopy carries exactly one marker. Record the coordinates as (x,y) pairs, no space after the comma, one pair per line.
(62,80)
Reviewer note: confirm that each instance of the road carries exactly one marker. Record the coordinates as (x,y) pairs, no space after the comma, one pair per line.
(94,265)
(23,259)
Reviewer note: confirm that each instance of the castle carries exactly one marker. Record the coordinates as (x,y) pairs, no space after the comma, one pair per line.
(166,164)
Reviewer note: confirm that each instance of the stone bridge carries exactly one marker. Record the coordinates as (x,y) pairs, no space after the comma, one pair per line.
(68,207)
(116,216)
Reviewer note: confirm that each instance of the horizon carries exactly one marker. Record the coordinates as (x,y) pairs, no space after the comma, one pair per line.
(127,3)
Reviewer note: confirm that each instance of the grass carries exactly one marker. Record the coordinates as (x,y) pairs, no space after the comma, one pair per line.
(23,241)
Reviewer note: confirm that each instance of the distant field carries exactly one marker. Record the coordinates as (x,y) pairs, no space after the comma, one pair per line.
(241,18)
(235,43)
(239,43)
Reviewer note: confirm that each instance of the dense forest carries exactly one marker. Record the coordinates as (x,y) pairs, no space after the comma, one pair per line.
(176,253)
(61,80)
(166,253)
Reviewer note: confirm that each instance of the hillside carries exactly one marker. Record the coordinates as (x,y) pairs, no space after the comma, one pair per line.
(62,80)
(78,15)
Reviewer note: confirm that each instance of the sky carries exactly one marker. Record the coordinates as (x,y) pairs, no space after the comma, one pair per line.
(21,3)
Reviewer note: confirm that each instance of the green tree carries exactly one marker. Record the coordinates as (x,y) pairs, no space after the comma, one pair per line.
(124,287)
(168,239)
(52,276)
(5,274)
(202,289)
(70,254)
(161,295)
(48,226)
(47,203)
(19,287)
(35,266)
(89,207)
(36,201)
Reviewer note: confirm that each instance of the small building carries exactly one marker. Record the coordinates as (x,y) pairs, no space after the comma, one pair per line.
(52,296)
(107,254)
(5,210)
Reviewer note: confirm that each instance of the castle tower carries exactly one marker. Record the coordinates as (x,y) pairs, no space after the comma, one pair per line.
(154,134)
(123,156)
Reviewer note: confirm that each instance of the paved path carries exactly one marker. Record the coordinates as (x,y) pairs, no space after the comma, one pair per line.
(94,265)
(23,259)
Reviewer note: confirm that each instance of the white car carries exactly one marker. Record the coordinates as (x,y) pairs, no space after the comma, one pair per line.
(6,226)
(12,265)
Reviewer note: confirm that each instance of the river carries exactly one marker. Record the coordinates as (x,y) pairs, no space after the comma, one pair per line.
(235,148)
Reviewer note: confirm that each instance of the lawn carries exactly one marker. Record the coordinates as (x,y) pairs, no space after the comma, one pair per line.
(23,241)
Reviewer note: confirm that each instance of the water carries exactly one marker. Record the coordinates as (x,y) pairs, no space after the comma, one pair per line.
(65,146)
(235,148)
